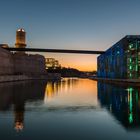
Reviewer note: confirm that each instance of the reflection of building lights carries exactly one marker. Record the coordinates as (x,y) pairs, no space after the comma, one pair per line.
(130,100)
(48,92)
(129,90)
(52,89)
(55,88)
(130,67)
(130,118)
(18,126)
(19,120)
(136,67)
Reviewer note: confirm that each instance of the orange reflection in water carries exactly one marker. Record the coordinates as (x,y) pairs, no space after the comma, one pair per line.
(71,92)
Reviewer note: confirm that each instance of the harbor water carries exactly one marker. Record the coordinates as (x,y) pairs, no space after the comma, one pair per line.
(70,109)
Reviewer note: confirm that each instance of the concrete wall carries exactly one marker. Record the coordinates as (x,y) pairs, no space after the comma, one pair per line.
(6,62)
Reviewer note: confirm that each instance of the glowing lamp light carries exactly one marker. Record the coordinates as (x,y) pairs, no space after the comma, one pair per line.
(21,30)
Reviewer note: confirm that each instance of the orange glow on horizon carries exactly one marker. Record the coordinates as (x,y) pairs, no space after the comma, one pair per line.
(81,67)
(80,62)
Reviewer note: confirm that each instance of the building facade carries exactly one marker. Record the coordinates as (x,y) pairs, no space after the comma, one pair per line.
(4,46)
(28,64)
(122,60)
(51,63)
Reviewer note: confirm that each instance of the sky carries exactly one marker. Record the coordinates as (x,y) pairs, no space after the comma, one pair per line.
(70,24)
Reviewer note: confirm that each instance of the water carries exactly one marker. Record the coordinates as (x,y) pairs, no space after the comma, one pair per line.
(71,109)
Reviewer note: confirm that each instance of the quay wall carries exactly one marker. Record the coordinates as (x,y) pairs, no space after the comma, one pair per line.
(21,63)
(6,62)
(21,66)
(10,78)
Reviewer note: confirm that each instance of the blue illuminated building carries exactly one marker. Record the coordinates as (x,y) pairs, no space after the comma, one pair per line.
(122,60)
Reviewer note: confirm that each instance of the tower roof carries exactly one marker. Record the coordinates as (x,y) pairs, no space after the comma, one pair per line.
(21,30)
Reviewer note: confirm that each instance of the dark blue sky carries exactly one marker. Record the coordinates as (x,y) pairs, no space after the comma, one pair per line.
(70,24)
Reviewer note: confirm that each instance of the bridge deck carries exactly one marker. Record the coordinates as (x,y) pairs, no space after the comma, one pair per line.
(55,50)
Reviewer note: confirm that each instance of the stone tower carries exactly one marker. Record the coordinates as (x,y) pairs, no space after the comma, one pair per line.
(20,38)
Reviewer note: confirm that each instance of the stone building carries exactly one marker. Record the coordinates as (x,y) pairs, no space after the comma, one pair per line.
(6,62)
(17,63)
(28,64)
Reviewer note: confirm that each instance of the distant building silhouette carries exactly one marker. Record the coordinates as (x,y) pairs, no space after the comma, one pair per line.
(4,45)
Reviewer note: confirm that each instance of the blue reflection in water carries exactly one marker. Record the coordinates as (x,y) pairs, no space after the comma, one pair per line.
(122,102)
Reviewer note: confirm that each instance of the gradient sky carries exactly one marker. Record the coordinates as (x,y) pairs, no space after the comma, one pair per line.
(70,24)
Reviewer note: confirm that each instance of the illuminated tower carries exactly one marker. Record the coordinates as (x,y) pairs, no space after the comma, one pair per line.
(20,38)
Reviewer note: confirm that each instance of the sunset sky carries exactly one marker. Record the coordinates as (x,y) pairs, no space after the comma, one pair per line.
(70,24)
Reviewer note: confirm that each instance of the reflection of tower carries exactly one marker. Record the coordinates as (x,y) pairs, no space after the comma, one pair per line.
(19,120)
(20,38)
(19,107)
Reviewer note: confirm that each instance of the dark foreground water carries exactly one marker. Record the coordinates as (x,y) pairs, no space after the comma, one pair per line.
(71,109)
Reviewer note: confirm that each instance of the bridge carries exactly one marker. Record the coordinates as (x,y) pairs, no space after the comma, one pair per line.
(54,50)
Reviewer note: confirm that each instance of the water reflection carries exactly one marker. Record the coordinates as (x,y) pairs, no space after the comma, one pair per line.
(71,94)
(68,109)
(15,95)
(53,88)
(122,102)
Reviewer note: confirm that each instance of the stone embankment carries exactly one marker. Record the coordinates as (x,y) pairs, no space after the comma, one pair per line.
(10,78)
(21,66)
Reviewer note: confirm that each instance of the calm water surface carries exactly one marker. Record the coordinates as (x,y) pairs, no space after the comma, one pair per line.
(71,109)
